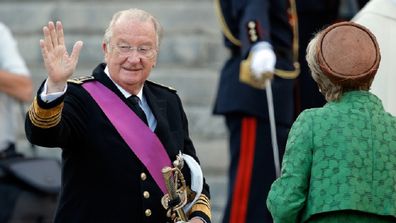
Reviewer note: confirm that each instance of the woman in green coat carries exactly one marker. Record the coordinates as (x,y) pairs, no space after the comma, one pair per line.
(340,160)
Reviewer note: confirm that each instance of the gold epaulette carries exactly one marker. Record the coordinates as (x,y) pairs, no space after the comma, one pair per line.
(81,79)
(161,85)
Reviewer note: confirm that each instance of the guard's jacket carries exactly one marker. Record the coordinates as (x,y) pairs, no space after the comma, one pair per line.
(102,179)
(251,169)
(244,23)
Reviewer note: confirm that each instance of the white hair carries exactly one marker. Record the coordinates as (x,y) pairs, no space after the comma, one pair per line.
(132,14)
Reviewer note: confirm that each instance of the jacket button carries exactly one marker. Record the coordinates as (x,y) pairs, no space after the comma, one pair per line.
(252,25)
(146,194)
(143,176)
(147,212)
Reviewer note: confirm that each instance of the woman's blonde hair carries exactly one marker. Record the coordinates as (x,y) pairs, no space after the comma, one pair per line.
(331,91)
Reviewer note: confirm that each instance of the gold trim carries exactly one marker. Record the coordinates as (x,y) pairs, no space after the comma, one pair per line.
(294,23)
(289,74)
(292,11)
(202,205)
(44,118)
(227,32)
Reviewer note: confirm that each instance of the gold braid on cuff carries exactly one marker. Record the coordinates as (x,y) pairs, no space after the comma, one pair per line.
(45,118)
(203,205)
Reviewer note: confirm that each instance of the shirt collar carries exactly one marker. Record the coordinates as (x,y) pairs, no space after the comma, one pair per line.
(123,91)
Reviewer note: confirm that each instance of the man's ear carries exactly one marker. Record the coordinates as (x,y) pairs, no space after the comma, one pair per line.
(105,51)
(104,47)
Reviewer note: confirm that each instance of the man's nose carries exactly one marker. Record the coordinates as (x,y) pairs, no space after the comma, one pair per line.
(134,56)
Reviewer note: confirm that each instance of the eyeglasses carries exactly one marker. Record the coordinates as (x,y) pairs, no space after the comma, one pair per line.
(144,51)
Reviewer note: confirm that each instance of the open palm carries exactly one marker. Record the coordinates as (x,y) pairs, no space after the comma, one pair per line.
(59,64)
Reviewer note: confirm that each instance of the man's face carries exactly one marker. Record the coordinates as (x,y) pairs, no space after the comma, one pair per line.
(131,54)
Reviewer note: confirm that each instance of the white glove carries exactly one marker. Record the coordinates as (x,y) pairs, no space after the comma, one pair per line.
(263,59)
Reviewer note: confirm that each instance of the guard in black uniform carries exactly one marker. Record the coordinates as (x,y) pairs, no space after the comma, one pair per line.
(314,15)
(253,28)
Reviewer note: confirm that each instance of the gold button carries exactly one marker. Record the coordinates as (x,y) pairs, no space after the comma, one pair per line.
(147,212)
(252,32)
(146,194)
(252,24)
(143,176)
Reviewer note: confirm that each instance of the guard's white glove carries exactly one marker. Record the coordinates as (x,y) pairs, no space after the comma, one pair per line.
(263,59)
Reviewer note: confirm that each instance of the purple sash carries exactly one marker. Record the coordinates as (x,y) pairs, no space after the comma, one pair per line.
(140,139)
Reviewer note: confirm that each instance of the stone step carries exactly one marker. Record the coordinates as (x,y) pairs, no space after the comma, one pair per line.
(192,36)
(93,16)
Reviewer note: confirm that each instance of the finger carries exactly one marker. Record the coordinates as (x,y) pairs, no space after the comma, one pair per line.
(43,47)
(44,51)
(54,36)
(61,36)
(76,51)
(47,38)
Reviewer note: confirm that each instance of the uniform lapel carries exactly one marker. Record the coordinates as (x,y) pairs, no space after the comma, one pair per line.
(102,77)
(159,109)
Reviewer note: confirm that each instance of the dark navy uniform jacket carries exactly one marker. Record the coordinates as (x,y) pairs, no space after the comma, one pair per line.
(244,23)
(102,179)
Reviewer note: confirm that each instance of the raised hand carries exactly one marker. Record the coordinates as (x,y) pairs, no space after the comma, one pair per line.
(59,64)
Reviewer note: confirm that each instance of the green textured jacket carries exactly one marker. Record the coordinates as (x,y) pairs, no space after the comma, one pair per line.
(338,157)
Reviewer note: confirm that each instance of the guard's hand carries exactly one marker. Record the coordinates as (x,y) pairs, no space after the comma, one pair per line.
(263,60)
(60,66)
